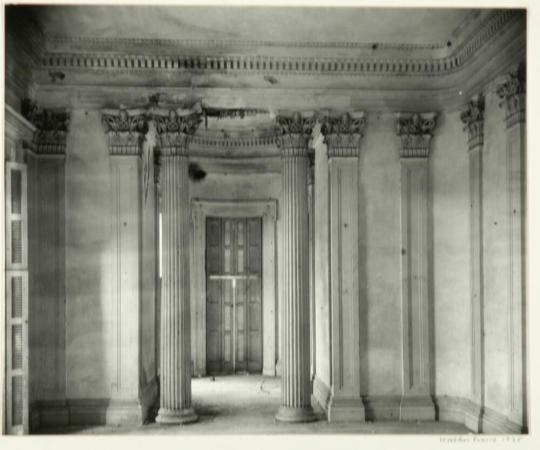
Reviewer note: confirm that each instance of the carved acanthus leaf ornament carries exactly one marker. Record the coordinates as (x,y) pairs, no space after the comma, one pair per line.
(415,132)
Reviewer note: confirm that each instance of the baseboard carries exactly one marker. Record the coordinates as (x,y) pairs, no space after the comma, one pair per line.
(474,417)
(105,412)
(49,413)
(321,395)
(382,407)
(149,396)
(419,408)
(346,409)
(78,412)
(460,410)
(494,422)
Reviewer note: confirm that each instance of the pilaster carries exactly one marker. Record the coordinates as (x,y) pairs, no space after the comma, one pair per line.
(415,133)
(343,135)
(293,135)
(473,119)
(126,130)
(512,94)
(175,129)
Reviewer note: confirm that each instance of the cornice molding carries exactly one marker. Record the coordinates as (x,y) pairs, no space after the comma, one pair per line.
(473,119)
(343,133)
(52,126)
(512,94)
(415,132)
(293,133)
(108,60)
(125,130)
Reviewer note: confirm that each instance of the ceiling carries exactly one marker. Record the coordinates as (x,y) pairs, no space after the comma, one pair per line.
(276,24)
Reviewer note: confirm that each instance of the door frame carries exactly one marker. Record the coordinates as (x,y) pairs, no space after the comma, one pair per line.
(200,210)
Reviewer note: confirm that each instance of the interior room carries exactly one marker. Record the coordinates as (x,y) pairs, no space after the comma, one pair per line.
(256,219)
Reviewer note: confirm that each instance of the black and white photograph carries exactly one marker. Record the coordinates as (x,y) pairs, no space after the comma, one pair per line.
(248,218)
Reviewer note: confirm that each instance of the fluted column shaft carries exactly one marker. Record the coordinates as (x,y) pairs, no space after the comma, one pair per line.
(311,218)
(175,394)
(295,351)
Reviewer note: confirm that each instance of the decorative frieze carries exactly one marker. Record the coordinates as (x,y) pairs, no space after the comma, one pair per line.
(512,94)
(51,127)
(415,132)
(294,132)
(473,119)
(125,129)
(343,133)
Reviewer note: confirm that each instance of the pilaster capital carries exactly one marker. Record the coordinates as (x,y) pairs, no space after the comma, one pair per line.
(415,132)
(125,129)
(175,129)
(511,91)
(52,126)
(343,133)
(473,119)
(293,133)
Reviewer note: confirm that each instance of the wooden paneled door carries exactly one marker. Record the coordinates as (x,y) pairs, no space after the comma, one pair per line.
(233,295)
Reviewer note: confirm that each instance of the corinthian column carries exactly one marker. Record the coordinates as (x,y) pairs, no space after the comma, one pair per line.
(512,95)
(175,129)
(293,138)
(414,131)
(473,119)
(342,136)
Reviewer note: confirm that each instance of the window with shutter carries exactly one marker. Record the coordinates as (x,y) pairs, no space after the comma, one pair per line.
(16,313)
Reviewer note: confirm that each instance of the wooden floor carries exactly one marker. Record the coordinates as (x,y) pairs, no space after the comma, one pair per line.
(246,404)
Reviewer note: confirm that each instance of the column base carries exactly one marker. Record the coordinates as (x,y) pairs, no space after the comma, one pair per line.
(417,408)
(346,409)
(176,416)
(295,415)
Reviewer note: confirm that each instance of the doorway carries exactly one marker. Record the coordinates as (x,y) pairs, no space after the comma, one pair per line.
(234,295)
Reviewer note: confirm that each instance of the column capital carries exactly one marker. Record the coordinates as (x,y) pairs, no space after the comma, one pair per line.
(511,91)
(293,133)
(473,119)
(52,126)
(175,129)
(125,129)
(415,132)
(343,133)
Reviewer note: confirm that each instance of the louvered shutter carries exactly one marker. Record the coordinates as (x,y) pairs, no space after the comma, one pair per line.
(16,306)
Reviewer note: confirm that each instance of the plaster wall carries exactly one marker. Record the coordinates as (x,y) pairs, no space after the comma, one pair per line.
(379,258)
(496,279)
(90,363)
(450,258)
(46,234)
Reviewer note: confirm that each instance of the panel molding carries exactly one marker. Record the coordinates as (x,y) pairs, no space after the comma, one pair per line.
(200,209)
(125,270)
